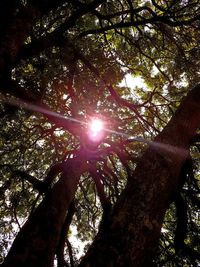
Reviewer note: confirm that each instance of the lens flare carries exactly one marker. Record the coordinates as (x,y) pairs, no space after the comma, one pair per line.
(96,127)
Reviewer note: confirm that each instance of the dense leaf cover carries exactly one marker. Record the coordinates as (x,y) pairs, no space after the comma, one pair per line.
(75,58)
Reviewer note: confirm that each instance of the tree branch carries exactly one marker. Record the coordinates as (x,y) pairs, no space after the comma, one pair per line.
(143,21)
(37,184)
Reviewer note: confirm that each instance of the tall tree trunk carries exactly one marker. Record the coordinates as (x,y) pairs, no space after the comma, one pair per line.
(133,228)
(36,243)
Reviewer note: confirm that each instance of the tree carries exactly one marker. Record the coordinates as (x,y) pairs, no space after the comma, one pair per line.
(61,65)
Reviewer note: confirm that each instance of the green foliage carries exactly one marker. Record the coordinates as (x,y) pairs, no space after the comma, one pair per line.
(67,62)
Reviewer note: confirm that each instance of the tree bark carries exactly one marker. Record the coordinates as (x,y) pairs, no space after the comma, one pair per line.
(133,228)
(36,243)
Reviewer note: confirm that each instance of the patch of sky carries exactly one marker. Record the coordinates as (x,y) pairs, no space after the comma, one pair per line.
(132,82)
(40,143)
(183,82)
(59,133)
(76,242)
(154,71)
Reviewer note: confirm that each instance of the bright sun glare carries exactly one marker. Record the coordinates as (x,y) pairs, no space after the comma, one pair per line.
(95,128)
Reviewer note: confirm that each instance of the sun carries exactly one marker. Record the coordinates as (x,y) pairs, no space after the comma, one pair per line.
(95,127)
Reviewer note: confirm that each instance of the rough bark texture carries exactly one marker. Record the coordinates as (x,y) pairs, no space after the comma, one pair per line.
(37,241)
(133,228)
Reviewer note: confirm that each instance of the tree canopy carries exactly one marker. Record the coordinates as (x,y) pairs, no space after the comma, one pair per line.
(63,63)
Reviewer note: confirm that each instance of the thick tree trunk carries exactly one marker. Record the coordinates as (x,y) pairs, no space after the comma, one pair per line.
(133,228)
(36,243)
